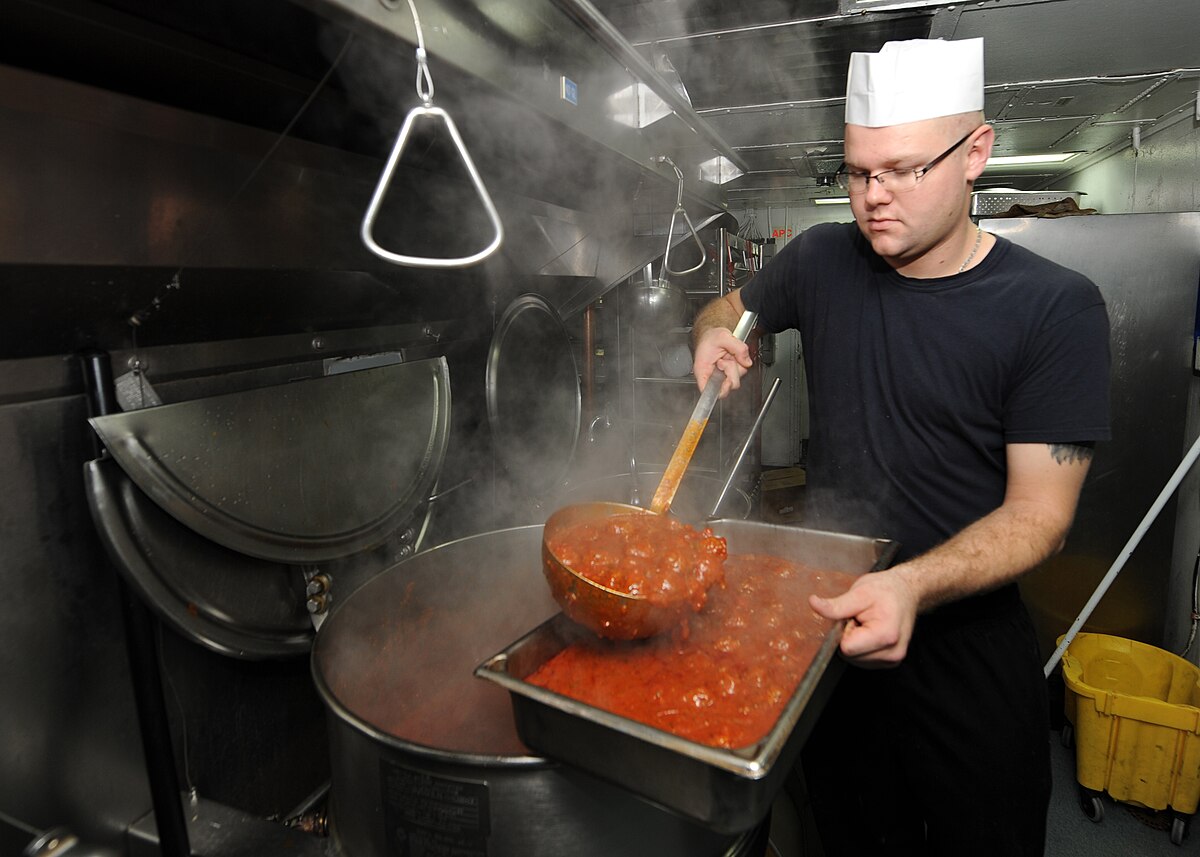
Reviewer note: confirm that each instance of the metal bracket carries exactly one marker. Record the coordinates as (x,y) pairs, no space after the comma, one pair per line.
(318,593)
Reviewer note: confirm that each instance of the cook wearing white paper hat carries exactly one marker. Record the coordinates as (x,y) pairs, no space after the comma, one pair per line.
(957,385)
(917,105)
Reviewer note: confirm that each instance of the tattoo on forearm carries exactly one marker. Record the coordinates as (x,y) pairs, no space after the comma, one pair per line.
(1070,453)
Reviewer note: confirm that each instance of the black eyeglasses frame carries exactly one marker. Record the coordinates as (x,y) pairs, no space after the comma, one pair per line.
(841,175)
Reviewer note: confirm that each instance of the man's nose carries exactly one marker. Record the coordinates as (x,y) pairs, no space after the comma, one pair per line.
(877,192)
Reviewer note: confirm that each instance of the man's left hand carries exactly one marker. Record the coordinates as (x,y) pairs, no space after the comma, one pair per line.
(879,610)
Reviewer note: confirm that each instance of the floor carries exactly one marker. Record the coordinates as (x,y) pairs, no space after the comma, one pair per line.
(1123,831)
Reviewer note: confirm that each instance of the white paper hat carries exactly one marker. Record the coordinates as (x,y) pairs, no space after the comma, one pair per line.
(914,80)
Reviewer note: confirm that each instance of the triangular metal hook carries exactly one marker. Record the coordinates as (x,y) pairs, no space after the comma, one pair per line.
(679,209)
(666,265)
(385,180)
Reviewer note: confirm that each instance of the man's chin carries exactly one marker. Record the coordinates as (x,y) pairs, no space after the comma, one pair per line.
(888,248)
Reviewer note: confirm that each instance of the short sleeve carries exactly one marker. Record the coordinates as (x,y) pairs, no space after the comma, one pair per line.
(1061,393)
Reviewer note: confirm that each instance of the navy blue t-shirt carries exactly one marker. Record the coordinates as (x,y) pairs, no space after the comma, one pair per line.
(916,385)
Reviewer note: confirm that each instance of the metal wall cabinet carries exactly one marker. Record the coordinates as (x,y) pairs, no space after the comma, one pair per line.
(1147,266)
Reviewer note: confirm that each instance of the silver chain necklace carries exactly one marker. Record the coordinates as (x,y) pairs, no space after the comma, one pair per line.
(974,250)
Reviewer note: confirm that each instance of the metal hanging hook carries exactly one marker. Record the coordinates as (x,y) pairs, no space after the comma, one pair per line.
(679,209)
(424,76)
(424,79)
(424,87)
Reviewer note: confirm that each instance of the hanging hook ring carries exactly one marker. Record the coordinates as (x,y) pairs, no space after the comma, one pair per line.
(424,85)
(424,79)
(385,178)
(679,209)
(699,244)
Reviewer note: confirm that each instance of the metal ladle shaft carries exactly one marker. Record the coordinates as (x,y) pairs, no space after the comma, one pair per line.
(686,447)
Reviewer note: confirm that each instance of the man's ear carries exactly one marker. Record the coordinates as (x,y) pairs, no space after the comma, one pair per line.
(979,150)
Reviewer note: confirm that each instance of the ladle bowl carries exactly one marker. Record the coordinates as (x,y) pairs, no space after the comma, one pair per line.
(621,615)
(610,613)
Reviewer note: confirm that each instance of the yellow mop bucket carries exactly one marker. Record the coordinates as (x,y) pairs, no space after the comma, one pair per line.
(1135,713)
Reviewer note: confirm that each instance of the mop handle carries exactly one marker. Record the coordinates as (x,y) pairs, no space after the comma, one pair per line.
(1164,495)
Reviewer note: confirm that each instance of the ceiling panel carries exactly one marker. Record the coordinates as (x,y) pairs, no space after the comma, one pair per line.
(1078,99)
(1095,138)
(1080,38)
(1028,136)
(1177,95)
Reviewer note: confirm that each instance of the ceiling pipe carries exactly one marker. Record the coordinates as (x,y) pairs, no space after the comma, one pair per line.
(601,29)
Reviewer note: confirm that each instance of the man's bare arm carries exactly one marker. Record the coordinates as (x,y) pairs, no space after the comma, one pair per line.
(1030,526)
(724,311)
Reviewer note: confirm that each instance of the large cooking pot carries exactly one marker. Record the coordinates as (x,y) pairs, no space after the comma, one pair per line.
(693,501)
(425,756)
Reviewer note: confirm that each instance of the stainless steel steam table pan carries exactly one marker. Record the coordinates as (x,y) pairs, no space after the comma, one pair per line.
(726,790)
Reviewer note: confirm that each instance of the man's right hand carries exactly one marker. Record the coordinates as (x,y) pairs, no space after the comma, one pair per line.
(718,348)
(715,347)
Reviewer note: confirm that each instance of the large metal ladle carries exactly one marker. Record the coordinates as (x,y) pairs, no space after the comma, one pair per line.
(609,612)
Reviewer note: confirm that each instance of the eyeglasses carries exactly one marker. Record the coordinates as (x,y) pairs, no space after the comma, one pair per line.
(897,181)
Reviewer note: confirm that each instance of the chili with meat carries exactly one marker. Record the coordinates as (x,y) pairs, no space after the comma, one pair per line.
(726,681)
(654,557)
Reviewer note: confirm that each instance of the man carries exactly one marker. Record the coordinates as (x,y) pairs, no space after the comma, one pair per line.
(957,386)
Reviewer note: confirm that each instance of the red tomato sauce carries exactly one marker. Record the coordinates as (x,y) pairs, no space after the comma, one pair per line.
(650,556)
(726,680)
